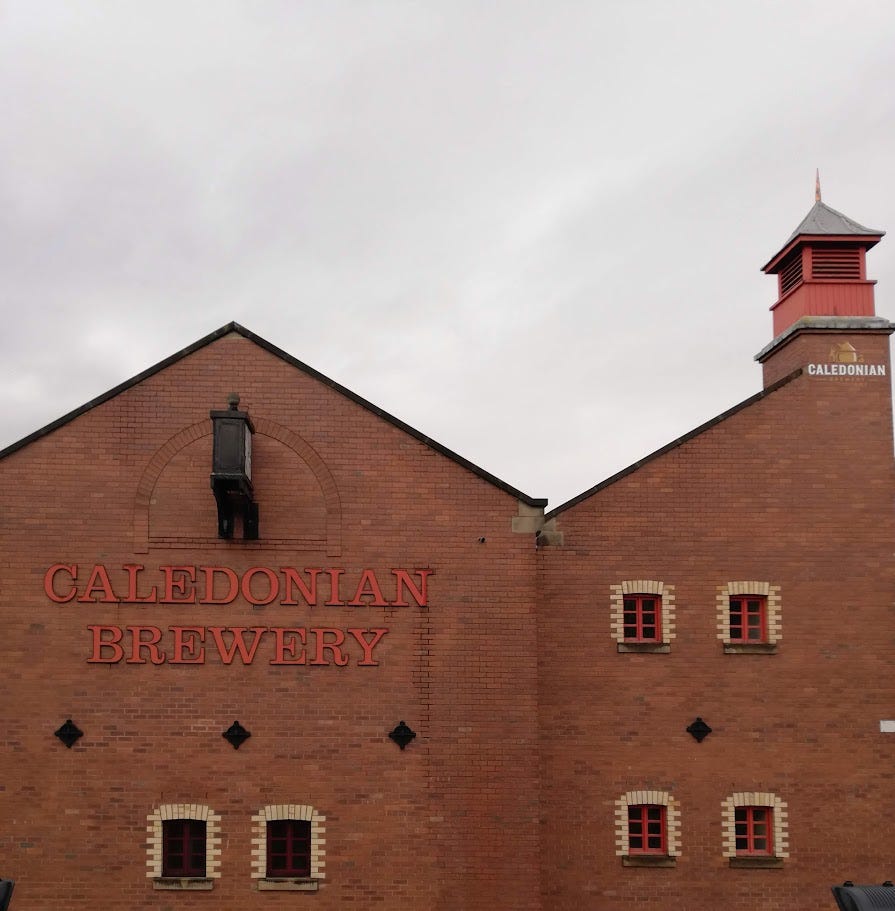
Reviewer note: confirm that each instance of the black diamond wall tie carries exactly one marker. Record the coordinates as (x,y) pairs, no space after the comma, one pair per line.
(69,733)
(699,730)
(402,735)
(236,735)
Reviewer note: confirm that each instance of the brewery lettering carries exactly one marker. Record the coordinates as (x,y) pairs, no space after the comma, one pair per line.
(284,645)
(133,584)
(259,585)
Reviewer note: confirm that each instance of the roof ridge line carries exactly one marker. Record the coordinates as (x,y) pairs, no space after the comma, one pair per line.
(679,441)
(233,326)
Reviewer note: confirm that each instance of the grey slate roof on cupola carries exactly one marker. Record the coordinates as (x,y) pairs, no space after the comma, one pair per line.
(824,220)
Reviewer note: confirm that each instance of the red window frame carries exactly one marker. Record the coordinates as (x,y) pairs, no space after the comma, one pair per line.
(183,847)
(288,848)
(642,618)
(754,831)
(748,618)
(647,829)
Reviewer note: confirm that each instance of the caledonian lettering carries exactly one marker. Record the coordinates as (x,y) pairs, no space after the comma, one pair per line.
(846,369)
(132,583)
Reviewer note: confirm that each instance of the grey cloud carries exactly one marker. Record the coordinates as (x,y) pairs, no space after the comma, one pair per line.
(532,231)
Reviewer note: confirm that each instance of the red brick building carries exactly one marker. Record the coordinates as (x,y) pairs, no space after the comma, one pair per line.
(675,689)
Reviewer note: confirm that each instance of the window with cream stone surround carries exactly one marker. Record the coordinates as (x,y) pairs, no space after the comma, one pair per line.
(773,620)
(664,592)
(672,828)
(780,824)
(275,812)
(212,845)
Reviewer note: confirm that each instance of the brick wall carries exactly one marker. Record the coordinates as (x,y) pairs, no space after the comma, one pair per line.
(532,725)
(794,490)
(128,482)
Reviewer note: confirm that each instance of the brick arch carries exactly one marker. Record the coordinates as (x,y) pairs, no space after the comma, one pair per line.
(268,428)
(779,820)
(642,587)
(198,811)
(274,812)
(768,591)
(324,477)
(655,798)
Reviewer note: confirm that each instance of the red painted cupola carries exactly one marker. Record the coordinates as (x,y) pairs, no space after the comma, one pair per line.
(824,312)
(821,269)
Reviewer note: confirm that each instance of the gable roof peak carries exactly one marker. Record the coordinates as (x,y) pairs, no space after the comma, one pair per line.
(234,327)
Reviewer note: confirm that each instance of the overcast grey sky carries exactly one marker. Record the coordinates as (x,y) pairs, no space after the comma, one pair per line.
(532,230)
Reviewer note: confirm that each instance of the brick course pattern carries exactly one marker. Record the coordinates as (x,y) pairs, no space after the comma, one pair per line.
(127,483)
(793,490)
(529,720)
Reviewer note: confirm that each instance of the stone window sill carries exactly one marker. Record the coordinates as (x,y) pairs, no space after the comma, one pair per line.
(756,863)
(750,648)
(295,884)
(648,860)
(184,883)
(645,648)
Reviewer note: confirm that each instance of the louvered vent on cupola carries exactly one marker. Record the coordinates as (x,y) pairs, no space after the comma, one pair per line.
(791,274)
(836,262)
(821,269)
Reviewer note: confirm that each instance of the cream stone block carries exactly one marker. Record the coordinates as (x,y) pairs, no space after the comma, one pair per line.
(273,812)
(641,587)
(649,797)
(771,594)
(528,519)
(183,811)
(755,799)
